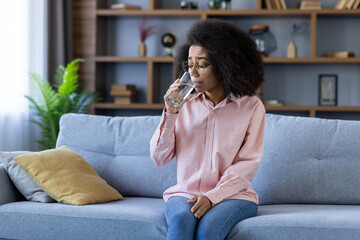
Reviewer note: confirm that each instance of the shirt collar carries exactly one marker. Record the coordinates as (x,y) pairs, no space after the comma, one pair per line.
(231,97)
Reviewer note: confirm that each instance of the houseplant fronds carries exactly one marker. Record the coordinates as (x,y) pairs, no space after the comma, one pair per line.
(51,104)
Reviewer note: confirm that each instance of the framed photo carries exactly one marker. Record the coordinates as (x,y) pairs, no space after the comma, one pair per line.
(328,89)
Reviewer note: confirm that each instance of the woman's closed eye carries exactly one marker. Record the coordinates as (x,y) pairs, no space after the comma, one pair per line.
(199,64)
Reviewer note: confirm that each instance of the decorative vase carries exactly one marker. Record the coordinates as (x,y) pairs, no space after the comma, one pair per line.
(142,49)
(225,5)
(292,50)
(263,38)
(214,4)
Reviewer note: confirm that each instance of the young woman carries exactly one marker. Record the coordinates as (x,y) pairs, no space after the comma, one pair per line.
(216,136)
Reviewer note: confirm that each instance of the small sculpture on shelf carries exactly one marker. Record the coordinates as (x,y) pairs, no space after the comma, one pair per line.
(219,4)
(168,40)
(214,4)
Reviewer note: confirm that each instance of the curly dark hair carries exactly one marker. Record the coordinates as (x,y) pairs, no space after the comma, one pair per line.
(235,59)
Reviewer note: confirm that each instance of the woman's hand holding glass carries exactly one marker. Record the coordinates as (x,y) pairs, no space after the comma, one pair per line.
(178,93)
(173,87)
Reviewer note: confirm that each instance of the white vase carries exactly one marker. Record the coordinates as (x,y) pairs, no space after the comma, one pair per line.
(292,50)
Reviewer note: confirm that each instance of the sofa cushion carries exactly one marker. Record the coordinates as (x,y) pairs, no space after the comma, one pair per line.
(118,149)
(67,177)
(309,160)
(8,192)
(131,218)
(26,186)
(300,221)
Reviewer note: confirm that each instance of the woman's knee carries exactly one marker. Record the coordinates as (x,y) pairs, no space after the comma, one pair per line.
(206,230)
(182,225)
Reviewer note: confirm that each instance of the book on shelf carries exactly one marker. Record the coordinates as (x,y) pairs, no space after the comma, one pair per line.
(125,6)
(124,100)
(283,4)
(356,4)
(123,87)
(277,4)
(122,92)
(341,4)
(273,4)
(340,54)
(275,103)
(307,4)
(349,4)
(268,4)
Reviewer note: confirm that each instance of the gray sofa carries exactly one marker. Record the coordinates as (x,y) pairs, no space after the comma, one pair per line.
(308,183)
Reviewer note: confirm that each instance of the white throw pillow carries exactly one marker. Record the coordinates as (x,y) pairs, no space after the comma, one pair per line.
(21,179)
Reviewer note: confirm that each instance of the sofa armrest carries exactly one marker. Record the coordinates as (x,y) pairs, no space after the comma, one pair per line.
(8,192)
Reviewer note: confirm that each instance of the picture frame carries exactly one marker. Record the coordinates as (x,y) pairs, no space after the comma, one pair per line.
(328,89)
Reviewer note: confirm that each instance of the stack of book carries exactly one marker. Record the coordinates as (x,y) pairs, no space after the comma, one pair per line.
(347,4)
(340,54)
(124,6)
(310,4)
(273,103)
(123,94)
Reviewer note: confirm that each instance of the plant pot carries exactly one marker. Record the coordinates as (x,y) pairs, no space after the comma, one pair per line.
(142,49)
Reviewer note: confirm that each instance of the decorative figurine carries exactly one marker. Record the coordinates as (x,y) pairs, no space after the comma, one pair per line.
(168,41)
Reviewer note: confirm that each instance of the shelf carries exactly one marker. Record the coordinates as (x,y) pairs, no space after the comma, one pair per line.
(105,105)
(314,108)
(311,60)
(110,12)
(178,12)
(266,60)
(115,59)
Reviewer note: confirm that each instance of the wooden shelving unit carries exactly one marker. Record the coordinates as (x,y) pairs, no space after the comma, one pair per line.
(92,15)
(134,59)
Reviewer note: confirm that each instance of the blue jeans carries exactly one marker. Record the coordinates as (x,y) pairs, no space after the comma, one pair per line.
(215,224)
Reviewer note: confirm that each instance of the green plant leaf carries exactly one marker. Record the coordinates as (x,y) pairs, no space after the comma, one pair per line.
(50,106)
(59,76)
(70,79)
(82,101)
(44,95)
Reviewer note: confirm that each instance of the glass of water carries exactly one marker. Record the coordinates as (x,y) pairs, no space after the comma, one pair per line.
(178,97)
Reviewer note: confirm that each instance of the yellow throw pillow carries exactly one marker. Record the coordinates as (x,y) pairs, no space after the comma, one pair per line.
(67,177)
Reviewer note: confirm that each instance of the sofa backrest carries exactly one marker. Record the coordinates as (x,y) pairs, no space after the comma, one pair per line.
(306,160)
(309,160)
(118,149)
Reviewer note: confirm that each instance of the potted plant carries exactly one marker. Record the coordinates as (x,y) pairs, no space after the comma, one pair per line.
(51,102)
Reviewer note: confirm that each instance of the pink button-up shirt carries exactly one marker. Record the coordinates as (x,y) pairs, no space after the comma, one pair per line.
(218,149)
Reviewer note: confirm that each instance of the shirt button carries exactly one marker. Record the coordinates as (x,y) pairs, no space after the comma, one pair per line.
(209,133)
(205,176)
(208,155)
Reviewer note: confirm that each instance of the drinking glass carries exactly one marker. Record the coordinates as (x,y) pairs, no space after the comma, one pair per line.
(178,97)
